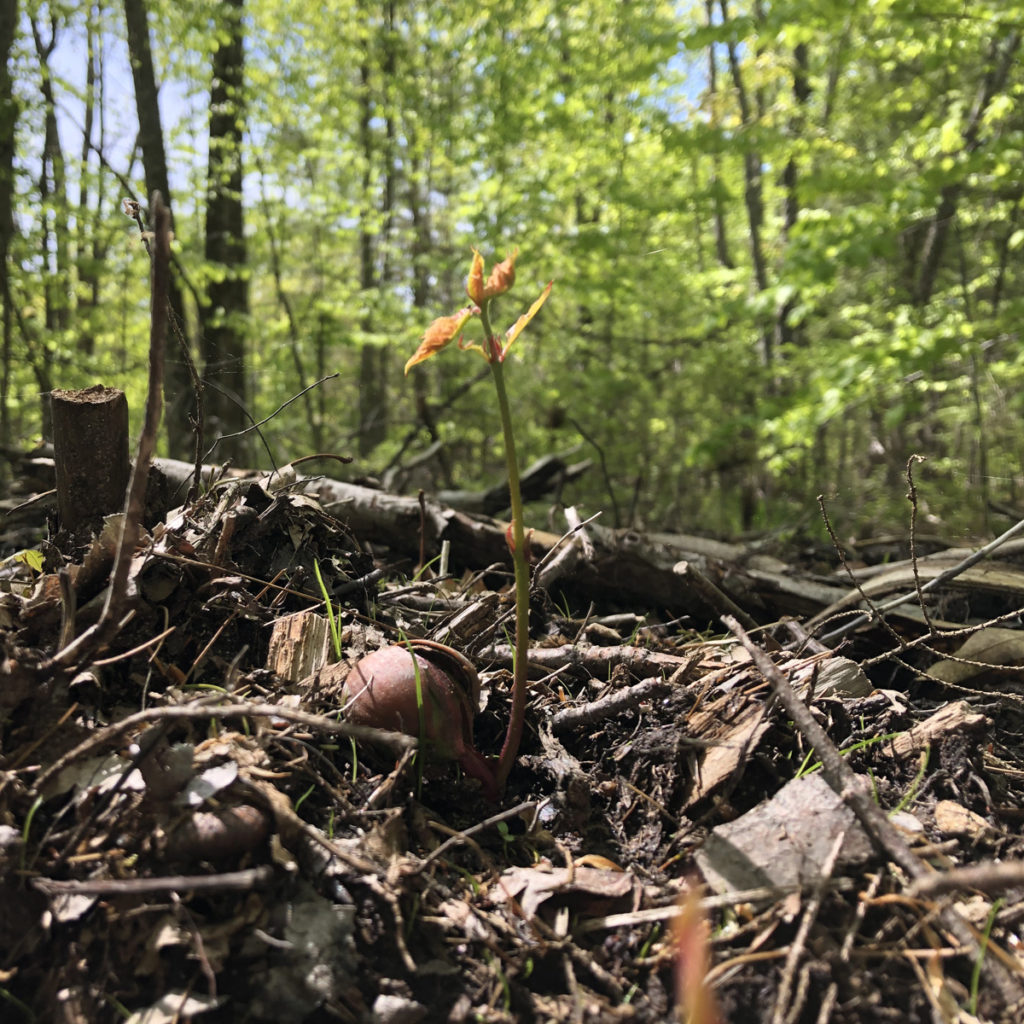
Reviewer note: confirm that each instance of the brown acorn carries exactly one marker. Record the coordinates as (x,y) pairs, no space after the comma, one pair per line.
(380,692)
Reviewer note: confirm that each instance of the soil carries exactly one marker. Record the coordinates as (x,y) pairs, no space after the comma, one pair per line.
(190,831)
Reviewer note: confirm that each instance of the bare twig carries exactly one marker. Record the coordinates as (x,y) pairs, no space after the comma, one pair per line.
(873,612)
(619,700)
(943,577)
(616,513)
(251,878)
(199,711)
(464,835)
(912,498)
(989,876)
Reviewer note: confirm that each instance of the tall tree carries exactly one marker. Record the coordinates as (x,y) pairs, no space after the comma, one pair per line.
(178,395)
(1000,59)
(227,292)
(89,252)
(8,124)
(377,80)
(53,189)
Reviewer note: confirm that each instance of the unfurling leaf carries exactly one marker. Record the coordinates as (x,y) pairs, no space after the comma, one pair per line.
(475,282)
(516,329)
(438,334)
(502,277)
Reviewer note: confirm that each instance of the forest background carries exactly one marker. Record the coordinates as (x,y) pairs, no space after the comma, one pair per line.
(785,239)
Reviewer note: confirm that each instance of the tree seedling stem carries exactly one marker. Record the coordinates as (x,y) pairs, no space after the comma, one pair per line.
(495,349)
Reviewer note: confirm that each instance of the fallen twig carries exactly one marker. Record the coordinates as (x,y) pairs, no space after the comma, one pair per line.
(200,710)
(988,876)
(611,704)
(250,878)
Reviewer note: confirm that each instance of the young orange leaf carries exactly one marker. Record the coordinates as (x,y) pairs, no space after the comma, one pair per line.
(502,277)
(438,334)
(516,329)
(475,282)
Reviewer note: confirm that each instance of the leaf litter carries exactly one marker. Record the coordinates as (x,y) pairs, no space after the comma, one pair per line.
(191,830)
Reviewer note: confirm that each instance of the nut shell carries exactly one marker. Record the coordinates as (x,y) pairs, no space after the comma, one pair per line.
(380,691)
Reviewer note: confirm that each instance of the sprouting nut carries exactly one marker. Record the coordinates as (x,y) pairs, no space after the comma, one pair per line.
(425,689)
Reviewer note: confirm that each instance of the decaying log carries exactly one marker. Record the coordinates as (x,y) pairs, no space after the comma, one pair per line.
(625,565)
(545,476)
(682,574)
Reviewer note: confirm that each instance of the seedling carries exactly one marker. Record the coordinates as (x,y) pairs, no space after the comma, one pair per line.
(495,350)
(335,624)
(423,683)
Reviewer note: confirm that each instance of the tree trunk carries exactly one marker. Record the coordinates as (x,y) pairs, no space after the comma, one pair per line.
(53,193)
(1002,57)
(717,188)
(227,294)
(753,192)
(373,398)
(87,266)
(178,396)
(54,221)
(784,333)
(8,121)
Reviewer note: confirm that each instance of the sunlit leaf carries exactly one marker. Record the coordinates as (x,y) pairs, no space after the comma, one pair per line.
(438,334)
(475,282)
(516,329)
(502,276)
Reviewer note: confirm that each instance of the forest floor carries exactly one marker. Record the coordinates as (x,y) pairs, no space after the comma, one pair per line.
(189,831)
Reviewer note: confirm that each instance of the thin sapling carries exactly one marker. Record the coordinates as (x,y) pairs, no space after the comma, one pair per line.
(424,688)
(495,350)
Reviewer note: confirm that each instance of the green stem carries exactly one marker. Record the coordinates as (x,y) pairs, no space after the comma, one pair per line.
(510,748)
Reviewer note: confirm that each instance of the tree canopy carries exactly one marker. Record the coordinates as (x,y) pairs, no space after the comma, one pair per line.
(784,238)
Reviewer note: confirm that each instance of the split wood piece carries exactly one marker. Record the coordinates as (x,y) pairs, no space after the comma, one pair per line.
(90,435)
(728,730)
(299,646)
(953,718)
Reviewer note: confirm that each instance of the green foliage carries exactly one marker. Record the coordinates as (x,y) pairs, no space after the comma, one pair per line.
(776,280)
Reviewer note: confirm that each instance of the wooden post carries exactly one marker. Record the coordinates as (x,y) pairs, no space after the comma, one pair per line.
(90,440)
